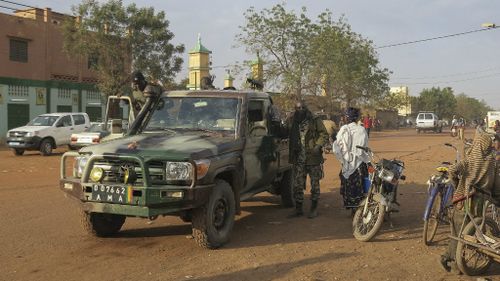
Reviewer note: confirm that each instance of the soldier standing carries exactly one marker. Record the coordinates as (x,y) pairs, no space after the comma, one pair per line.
(307,137)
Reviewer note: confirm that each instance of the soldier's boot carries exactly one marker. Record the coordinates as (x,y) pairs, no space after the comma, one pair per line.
(298,212)
(314,209)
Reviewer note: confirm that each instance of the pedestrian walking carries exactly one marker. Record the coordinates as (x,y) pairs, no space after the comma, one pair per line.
(453,126)
(476,169)
(460,124)
(308,135)
(368,124)
(353,159)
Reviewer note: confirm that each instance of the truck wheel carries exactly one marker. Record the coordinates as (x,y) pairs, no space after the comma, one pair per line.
(18,151)
(46,147)
(286,190)
(212,223)
(102,225)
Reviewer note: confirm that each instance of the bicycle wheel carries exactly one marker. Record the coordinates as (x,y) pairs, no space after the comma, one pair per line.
(432,223)
(470,260)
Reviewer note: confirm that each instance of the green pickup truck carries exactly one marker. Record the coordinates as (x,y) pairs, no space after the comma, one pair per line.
(194,154)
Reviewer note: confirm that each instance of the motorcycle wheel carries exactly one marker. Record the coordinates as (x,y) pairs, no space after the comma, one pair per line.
(365,227)
(432,223)
(469,259)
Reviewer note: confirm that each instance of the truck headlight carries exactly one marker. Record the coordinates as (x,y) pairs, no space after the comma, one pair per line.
(80,163)
(178,170)
(30,134)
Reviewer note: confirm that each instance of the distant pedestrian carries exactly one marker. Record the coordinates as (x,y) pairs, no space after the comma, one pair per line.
(460,124)
(453,126)
(368,124)
(307,138)
(496,127)
(353,159)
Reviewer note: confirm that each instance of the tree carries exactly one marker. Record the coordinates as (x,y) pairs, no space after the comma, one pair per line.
(346,64)
(283,40)
(117,39)
(471,108)
(305,57)
(440,101)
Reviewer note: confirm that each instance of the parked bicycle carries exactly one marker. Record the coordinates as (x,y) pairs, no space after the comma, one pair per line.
(384,176)
(440,192)
(479,237)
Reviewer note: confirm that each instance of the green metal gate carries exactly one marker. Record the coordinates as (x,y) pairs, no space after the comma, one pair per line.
(95,113)
(17,115)
(64,108)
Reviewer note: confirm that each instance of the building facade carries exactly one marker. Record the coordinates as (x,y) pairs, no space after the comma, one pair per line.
(36,76)
(404,94)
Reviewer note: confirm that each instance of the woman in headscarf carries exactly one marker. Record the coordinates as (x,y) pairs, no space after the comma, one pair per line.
(353,159)
(476,169)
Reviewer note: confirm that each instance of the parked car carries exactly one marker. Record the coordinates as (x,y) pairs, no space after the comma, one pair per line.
(93,135)
(46,132)
(428,121)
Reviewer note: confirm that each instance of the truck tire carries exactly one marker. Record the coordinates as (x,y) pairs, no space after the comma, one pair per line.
(46,147)
(286,190)
(18,151)
(212,223)
(102,225)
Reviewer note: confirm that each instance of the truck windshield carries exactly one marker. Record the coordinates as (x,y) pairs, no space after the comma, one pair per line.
(195,113)
(43,121)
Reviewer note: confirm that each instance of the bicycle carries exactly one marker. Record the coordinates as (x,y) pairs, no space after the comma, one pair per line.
(479,237)
(440,192)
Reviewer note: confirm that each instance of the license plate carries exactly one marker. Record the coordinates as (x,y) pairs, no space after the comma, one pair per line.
(14,143)
(110,193)
(84,140)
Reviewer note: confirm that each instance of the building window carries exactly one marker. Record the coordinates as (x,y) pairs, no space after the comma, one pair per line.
(18,50)
(92,61)
(18,91)
(93,95)
(64,94)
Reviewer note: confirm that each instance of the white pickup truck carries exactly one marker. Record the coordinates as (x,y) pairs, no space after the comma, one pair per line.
(46,132)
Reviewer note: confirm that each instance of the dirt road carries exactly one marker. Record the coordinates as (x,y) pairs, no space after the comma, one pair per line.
(41,237)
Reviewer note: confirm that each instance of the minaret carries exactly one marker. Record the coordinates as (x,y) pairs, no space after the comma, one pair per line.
(228,80)
(258,69)
(199,65)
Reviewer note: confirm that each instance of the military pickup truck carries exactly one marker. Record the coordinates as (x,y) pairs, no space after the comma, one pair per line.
(193,154)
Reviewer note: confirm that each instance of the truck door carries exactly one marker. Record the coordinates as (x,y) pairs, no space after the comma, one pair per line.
(120,113)
(260,153)
(64,129)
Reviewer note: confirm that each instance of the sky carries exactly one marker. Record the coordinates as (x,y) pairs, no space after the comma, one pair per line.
(469,63)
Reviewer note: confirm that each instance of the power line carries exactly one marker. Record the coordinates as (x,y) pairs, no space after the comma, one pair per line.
(455,81)
(17,3)
(439,37)
(445,76)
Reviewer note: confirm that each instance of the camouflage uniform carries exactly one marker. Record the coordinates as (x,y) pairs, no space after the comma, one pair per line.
(301,169)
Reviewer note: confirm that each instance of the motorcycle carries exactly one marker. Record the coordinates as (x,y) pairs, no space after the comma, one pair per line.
(384,177)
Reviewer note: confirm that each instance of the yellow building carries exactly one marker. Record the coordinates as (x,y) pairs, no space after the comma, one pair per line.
(403,92)
(199,65)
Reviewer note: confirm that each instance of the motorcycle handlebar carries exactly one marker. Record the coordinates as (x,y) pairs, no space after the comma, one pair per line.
(366,149)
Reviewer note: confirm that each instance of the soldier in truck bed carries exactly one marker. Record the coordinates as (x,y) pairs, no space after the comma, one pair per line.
(307,137)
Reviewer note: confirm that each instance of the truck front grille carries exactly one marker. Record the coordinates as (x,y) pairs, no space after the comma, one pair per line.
(17,134)
(114,171)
